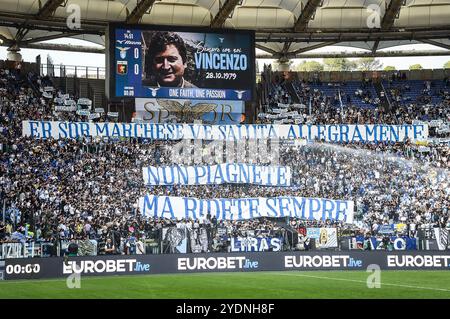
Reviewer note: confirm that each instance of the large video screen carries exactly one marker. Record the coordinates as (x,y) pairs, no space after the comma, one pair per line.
(181,63)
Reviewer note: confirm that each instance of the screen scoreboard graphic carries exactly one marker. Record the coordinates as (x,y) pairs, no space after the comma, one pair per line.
(176,63)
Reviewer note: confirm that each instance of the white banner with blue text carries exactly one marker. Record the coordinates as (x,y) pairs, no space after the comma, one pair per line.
(166,131)
(218,174)
(246,208)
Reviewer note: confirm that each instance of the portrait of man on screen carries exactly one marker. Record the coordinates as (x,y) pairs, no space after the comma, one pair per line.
(166,61)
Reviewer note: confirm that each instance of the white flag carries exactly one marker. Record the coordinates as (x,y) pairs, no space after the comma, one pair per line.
(441,235)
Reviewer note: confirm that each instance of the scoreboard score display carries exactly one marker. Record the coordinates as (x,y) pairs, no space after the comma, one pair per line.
(178,63)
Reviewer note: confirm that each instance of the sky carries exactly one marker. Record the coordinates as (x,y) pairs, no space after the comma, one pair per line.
(98,60)
(400,63)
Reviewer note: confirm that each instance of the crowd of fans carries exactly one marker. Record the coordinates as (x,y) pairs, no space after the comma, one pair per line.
(88,188)
(326,108)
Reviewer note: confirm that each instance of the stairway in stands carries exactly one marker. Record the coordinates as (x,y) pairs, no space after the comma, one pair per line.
(83,88)
(97,92)
(384,103)
(290,88)
(291,233)
(33,87)
(70,85)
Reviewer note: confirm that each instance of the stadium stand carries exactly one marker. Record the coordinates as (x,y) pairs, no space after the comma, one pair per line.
(60,191)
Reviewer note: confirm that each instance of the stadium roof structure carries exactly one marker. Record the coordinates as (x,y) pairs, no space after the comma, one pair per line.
(284,28)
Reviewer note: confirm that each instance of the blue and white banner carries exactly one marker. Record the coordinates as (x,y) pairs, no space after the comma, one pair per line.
(244,244)
(397,243)
(328,133)
(246,208)
(218,174)
(386,229)
(17,250)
